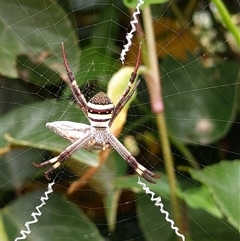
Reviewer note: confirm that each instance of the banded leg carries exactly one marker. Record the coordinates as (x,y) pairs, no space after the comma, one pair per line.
(64,155)
(123,103)
(128,157)
(73,85)
(127,93)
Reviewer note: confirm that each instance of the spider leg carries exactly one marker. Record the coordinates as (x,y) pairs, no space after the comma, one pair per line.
(79,97)
(64,155)
(123,102)
(128,157)
(127,94)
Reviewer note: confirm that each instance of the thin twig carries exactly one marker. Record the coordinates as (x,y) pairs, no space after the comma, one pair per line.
(154,88)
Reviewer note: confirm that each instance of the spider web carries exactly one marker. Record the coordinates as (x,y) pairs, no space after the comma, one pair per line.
(198,62)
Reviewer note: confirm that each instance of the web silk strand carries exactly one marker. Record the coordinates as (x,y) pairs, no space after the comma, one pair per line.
(158,203)
(27,231)
(129,35)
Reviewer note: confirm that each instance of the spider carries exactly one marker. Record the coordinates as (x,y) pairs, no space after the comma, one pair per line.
(100,113)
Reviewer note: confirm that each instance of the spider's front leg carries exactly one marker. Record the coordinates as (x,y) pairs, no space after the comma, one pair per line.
(79,97)
(129,91)
(64,155)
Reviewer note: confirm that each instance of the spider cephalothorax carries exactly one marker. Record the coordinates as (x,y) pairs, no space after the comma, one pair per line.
(100,112)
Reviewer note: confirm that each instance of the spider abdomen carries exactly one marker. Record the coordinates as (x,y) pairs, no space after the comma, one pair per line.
(100,110)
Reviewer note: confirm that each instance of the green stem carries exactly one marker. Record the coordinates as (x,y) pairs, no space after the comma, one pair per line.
(186,153)
(154,89)
(227,19)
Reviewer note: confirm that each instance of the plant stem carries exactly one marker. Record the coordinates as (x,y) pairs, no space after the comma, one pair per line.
(227,19)
(186,153)
(154,89)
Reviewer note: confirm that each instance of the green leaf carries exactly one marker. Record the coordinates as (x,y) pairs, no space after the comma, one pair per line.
(200,198)
(203,226)
(9,49)
(198,217)
(25,127)
(14,93)
(111,207)
(17,169)
(133,3)
(35,29)
(223,180)
(200,102)
(152,221)
(60,219)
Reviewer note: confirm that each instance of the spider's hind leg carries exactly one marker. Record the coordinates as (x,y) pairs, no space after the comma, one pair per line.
(46,163)
(49,162)
(128,157)
(143,171)
(65,154)
(48,172)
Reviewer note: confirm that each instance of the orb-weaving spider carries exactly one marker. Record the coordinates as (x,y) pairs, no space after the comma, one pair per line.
(100,113)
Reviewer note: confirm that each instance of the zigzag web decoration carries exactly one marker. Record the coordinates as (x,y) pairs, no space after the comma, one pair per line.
(158,203)
(44,198)
(129,35)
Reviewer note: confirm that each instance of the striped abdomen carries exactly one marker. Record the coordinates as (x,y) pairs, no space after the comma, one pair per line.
(100,110)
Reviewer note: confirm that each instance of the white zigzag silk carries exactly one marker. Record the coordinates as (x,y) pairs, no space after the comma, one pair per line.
(158,203)
(44,197)
(130,34)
